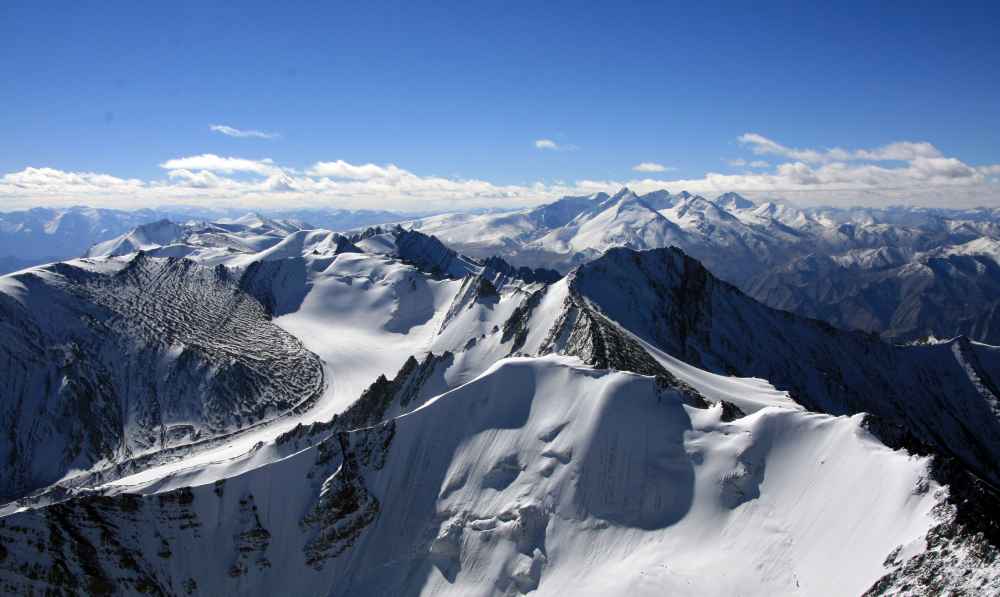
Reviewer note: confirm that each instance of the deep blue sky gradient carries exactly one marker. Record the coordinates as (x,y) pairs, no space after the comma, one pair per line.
(463,89)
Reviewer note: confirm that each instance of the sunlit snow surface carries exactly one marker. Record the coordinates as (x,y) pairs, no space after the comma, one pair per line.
(543,474)
(364,315)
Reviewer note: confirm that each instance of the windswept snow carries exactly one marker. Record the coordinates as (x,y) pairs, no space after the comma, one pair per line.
(364,315)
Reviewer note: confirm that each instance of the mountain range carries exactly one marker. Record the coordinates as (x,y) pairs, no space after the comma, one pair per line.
(904,273)
(259,406)
(43,235)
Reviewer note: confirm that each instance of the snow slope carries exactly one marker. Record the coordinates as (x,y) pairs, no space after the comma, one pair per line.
(559,480)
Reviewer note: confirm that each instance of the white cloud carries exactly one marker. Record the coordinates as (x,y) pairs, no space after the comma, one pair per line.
(924,177)
(214,163)
(40,179)
(342,169)
(737,163)
(240,133)
(199,180)
(549,144)
(899,151)
(651,167)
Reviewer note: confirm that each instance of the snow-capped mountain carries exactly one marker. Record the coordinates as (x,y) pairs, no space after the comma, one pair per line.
(635,426)
(671,302)
(249,234)
(576,229)
(43,235)
(820,262)
(823,262)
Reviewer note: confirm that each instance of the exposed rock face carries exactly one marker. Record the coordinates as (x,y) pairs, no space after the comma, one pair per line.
(380,402)
(159,353)
(428,254)
(526,274)
(962,550)
(516,327)
(86,546)
(345,506)
(100,544)
(251,541)
(583,332)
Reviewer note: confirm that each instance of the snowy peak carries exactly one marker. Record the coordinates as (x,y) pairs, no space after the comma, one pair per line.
(698,208)
(262,224)
(733,202)
(623,194)
(574,229)
(143,238)
(784,213)
(251,233)
(659,200)
(431,255)
(563,211)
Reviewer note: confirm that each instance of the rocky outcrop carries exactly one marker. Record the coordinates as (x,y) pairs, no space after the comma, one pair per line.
(382,400)
(500,268)
(585,333)
(345,506)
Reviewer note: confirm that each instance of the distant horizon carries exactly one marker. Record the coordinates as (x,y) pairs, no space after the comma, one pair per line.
(228,210)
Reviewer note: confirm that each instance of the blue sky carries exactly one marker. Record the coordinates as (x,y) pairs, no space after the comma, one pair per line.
(463,94)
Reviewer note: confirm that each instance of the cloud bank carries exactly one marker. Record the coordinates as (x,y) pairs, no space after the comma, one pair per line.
(903,172)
